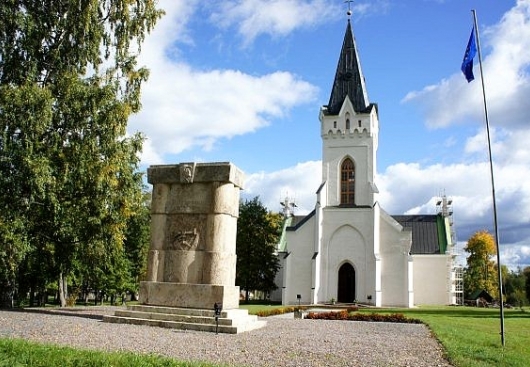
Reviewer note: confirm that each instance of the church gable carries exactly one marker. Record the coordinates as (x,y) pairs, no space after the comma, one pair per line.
(298,221)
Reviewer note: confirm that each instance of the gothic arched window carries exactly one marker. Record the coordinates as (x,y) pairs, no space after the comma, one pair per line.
(347,182)
(348,124)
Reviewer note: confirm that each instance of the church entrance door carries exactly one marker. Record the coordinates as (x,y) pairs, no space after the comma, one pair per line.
(346,291)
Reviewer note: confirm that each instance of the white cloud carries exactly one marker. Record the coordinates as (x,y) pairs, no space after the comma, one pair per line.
(516,255)
(272,17)
(299,183)
(184,107)
(253,18)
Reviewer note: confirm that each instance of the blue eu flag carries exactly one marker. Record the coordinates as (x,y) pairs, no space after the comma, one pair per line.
(471,51)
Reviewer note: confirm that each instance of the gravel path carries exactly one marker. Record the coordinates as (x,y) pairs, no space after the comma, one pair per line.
(283,342)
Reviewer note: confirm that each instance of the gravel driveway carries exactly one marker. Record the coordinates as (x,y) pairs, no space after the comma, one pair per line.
(283,342)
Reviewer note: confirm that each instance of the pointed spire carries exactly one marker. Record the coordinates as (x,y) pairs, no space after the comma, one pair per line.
(349,79)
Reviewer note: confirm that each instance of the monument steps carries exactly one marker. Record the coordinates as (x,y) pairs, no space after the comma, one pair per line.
(230,321)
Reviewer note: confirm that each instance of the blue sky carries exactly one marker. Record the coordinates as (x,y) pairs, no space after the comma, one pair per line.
(243,81)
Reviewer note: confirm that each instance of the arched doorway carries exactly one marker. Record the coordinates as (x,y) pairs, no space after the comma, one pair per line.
(346,291)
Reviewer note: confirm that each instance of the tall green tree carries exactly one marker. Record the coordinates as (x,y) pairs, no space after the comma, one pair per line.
(514,287)
(480,272)
(257,235)
(526,272)
(13,248)
(137,241)
(68,83)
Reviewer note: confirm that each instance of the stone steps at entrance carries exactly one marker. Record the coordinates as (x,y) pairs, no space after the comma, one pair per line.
(232,321)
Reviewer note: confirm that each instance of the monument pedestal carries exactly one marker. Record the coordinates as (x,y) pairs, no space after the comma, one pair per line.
(201,296)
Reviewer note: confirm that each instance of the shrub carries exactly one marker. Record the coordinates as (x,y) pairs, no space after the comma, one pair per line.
(278,311)
(351,309)
(372,317)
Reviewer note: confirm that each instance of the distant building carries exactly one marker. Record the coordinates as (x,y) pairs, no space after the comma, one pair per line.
(348,248)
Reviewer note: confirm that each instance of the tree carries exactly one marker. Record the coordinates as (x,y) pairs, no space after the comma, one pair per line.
(257,236)
(480,272)
(13,248)
(137,241)
(68,84)
(514,287)
(526,272)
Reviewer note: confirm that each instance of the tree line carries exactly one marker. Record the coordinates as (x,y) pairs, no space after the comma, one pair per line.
(69,180)
(74,214)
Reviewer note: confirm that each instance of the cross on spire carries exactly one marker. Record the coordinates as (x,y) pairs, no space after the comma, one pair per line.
(349,7)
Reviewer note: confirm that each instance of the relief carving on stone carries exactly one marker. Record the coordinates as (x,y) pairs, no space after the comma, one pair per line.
(186,240)
(187,173)
(184,232)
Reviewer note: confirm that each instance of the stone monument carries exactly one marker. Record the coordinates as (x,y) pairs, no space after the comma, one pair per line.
(192,259)
(192,256)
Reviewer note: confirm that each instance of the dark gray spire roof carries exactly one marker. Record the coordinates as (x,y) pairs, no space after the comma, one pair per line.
(349,79)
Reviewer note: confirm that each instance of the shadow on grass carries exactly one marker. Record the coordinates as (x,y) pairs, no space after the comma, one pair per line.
(468,312)
(59,312)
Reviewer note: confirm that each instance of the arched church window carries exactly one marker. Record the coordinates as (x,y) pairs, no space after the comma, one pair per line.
(348,124)
(347,182)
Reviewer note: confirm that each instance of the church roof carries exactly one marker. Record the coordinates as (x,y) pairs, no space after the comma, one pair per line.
(349,79)
(428,233)
(298,220)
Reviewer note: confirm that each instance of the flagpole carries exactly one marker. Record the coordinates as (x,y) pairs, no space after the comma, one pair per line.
(492,180)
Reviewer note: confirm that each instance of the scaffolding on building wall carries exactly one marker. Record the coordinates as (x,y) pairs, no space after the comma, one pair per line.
(455,281)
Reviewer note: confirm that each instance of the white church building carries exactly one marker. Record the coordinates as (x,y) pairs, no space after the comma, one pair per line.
(348,249)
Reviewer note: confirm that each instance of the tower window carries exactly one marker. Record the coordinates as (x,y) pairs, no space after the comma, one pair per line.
(359,123)
(348,124)
(347,182)
(334,124)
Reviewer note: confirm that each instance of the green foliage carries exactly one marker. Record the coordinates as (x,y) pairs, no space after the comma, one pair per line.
(137,240)
(481,272)
(514,288)
(257,236)
(68,172)
(526,273)
(13,248)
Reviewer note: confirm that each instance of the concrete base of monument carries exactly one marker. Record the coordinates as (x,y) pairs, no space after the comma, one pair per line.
(187,295)
(231,321)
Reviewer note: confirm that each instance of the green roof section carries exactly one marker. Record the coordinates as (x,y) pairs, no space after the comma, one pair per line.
(444,236)
(282,245)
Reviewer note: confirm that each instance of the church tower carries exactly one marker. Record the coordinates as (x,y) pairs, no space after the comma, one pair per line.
(348,249)
(349,132)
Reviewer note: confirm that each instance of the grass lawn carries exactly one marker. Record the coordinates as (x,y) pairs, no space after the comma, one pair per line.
(471,336)
(18,353)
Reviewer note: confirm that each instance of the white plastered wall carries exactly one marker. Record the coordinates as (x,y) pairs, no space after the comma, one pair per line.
(298,275)
(348,237)
(432,279)
(395,273)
